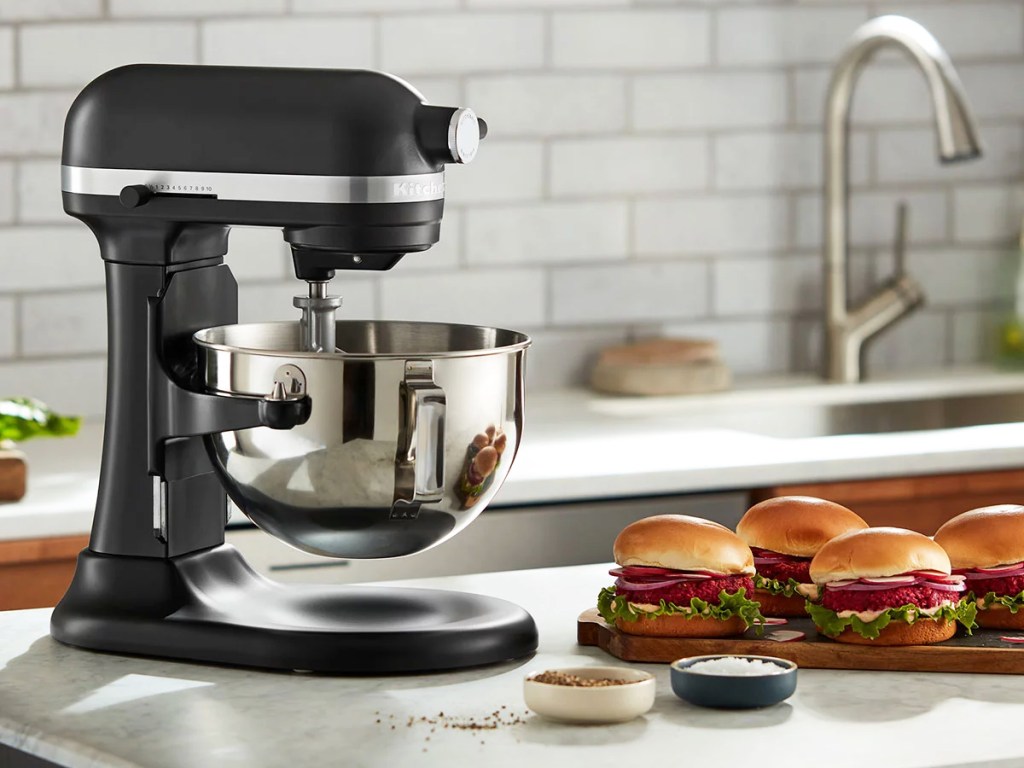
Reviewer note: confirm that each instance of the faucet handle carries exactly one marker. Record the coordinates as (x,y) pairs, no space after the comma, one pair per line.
(900,239)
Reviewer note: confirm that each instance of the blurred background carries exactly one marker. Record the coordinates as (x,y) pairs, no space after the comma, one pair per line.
(651,167)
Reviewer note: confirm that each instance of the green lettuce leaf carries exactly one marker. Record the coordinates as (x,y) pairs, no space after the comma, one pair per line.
(22,418)
(829,623)
(1013,602)
(776,587)
(612,607)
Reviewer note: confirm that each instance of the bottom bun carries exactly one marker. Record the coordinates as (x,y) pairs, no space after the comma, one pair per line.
(923,632)
(999,617)
(680,626)
(780,605)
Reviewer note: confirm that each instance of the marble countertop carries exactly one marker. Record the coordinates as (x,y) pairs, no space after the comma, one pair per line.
(79,708)
(580,446)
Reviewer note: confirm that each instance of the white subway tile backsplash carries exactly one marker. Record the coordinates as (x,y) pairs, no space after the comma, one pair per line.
(710,225)
(99,47)
(975,336)
(63,323)
(72,385)
(784,35)
(619,166)
(200,8)
(439,43)
(872,219)
(964,276)
(652,163)
(776,160)
(969,30)
(993,90)
(6,57)
(342,42)
(991,213)
(910,154)
(40,10)
(547,233)
(356,6)
(886,93)
(756,346)
(512,298)
(710,100)
(41,258)
(272,302)
(565,357)
(8,328)
(504,171)
(549,105)
(8,193)
(918,341)
(259,253)
(635,39)
(629,293)
(33,123)
(38,193)
(767,285)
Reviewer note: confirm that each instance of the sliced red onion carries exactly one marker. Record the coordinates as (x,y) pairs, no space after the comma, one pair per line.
(785,636)
(988,573)
(1012,638)
(645,585)
(891,581)
(943,587)
(1001,568)
(775,621)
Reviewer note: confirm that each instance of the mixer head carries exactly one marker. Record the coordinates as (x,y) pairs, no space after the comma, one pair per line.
(349,163)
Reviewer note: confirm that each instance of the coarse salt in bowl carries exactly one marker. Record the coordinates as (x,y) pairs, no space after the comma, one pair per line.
(729,681)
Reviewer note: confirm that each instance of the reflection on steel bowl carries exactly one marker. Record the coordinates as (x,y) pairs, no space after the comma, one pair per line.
(381,469)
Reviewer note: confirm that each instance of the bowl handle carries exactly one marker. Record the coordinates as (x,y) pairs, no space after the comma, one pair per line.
(419,461)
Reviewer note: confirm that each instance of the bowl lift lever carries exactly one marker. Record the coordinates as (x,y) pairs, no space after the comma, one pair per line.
(351,168)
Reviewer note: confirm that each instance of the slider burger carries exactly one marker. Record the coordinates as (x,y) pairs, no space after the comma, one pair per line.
(986,546)
(784,533)
(887,586)
(680,576)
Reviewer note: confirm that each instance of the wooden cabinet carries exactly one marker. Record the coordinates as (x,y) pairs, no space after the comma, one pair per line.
(921,503)
(34,573)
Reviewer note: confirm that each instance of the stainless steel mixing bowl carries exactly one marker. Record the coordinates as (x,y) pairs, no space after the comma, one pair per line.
(414,427)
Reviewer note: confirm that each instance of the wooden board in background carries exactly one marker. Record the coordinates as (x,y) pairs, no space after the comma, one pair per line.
(984,652)
(35,573)
(12,475)
(921,502)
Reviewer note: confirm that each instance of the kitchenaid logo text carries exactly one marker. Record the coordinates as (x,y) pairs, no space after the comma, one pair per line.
(194,188)
(417,189)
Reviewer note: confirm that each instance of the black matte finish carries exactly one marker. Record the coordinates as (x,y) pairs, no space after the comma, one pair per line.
(317,122)
(211,606)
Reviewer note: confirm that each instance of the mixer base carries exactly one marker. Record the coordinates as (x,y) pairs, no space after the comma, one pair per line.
(210,606)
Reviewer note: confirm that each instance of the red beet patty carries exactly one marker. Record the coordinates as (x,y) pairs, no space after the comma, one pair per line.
(1012,585)
(783,567)
(880,599)
(681,593)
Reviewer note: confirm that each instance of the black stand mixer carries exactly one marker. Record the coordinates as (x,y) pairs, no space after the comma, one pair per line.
(345,438)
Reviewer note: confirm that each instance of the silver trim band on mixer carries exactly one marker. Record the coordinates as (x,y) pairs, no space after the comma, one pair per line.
(258,187)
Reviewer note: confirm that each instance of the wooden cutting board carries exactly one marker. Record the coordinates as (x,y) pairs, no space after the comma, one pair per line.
(13,472)
(981,652)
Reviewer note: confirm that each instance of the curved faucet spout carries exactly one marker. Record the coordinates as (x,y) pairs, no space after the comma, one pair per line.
(846,330)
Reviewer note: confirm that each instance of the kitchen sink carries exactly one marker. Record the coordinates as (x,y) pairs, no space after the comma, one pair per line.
(810,409)
(826,419)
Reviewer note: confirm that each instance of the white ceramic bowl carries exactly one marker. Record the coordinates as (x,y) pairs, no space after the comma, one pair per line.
(605,704)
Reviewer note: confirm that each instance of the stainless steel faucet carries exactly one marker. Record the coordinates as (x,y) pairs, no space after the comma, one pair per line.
(847,330)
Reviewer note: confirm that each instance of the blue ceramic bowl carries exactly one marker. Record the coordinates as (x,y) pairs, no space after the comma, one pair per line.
(729,691)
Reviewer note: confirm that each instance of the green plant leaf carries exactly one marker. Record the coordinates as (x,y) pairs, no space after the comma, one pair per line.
(22,418)
(831,624)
